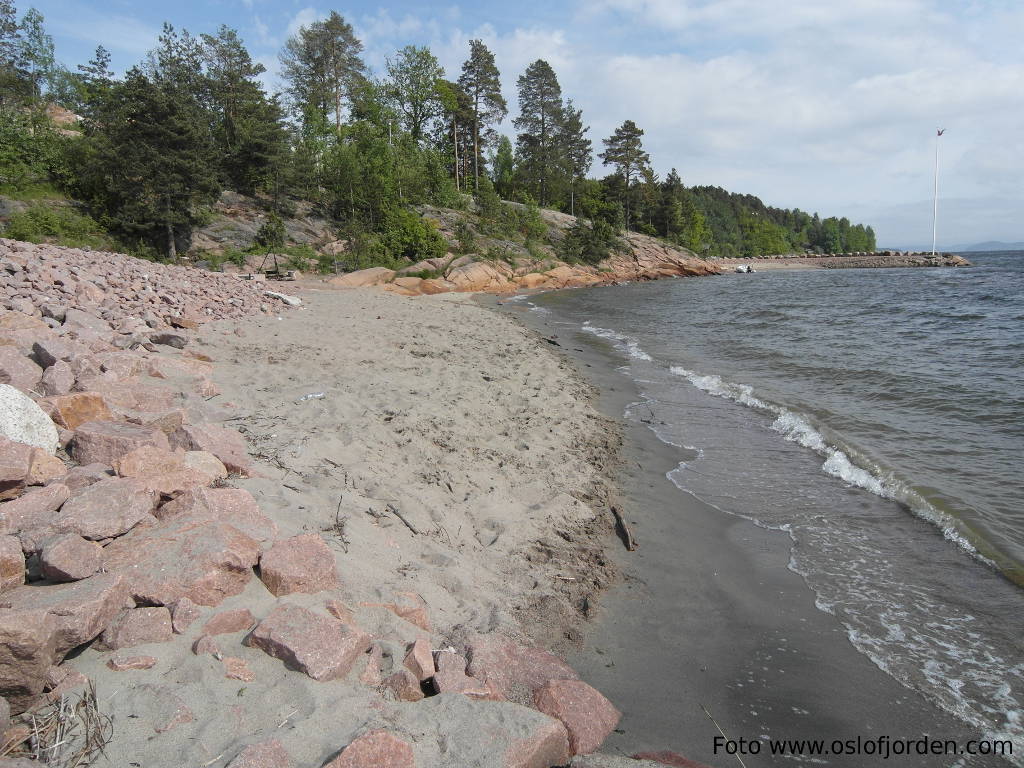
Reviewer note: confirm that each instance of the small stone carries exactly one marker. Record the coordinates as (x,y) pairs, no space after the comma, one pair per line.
(227,622)
(120,663)
(404,685)
(267,754)
(43,468)
(205,645)
(237,669)
(300,564)
(420,660)
(378,748)
(138,626)
(170,339)
(12,563)
(183,613)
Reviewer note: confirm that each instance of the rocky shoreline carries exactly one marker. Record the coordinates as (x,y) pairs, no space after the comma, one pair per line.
(341,535)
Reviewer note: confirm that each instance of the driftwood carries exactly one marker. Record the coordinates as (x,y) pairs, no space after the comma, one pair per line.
(623,529)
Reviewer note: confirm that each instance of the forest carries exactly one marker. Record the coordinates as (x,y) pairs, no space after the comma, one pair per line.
(148,152)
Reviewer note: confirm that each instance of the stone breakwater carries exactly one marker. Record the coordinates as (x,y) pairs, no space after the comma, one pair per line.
(876,260)
(121,537)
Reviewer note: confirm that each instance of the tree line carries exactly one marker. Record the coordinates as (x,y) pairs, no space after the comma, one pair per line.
(156,146)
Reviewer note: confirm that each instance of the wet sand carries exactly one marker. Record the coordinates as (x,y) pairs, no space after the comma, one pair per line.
(708,615)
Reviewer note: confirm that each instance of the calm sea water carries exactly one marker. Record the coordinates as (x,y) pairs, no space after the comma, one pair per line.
(878,417)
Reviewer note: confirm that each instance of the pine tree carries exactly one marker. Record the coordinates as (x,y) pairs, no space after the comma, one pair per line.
(95,78)
(322,65)
(248,128)
(624,149)
(577,149)
(539,124)
(149,162)
(481,81)
(413,88)
(455,134)
(10,45)
(503,169)
(35,55)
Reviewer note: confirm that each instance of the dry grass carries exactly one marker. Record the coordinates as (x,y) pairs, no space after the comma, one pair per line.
(69,733)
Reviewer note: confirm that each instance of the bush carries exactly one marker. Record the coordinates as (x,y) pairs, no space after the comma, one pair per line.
(58,224)
(589,243)
(409,236)
(271,233)
(466,237)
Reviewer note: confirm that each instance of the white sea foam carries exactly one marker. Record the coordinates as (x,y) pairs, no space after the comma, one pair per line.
(623,343)
(837,463)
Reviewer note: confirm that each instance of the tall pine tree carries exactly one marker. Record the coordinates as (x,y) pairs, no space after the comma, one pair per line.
(539,124)
(625,150)
(481,81)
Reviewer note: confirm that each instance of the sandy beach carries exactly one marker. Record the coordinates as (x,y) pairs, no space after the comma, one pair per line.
(445,453)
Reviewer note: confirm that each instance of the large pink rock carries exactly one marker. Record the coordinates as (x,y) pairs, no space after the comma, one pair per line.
(226,444)
(107,441)
(15,463)
(107,509)
(376,749)
(266,754)
(233,506)
(43,468)
(404,685)
(162,471)
(12,563)
(81,477)
(138,626)
(203,560)
(74,410)
(58,379)
(19,371)
(512,669)
(586,714)
(320,646)
(40,624)
(451,677)
(70,558)
(33,510)
(300,564)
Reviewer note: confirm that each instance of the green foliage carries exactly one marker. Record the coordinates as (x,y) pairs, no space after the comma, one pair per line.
(44,223)
(412,87)
(271,233)
(31,152)
(481,82)
(409,236)
(466,236)
(531,224)
(589,242)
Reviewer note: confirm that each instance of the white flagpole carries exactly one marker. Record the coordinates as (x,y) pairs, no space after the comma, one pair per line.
(935,197)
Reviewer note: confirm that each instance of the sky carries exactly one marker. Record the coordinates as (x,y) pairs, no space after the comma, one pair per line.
(823,105)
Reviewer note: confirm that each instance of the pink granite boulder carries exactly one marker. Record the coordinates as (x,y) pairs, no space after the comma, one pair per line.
(586,714)
(107,509)
(69,557)
(300,564)
(376,749)
(318,645)
(138,626)
(108,441)
(512,669)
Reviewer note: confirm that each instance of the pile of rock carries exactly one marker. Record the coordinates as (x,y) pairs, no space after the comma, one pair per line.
(109,292)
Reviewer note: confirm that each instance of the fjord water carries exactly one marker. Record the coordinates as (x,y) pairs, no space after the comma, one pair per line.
(877,416)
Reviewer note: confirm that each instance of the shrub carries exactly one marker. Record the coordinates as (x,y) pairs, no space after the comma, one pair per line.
(466,237)
(409,236)
(59,224)
(589,243)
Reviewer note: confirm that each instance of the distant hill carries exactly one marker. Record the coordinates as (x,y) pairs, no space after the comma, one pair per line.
(991,245)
